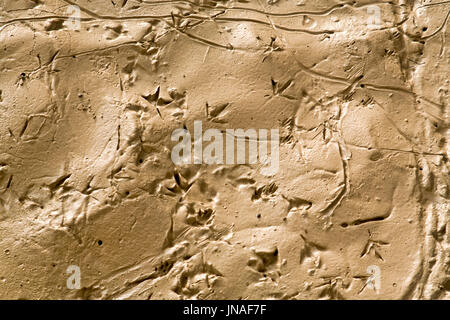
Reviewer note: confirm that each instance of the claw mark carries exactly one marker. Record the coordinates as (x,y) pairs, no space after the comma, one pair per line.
(297,203)
(278,89)
(371,281)
(308,249)
(264,192)
(215,113)
(362,221)
(9,182)
(331,288)
(154,98)
(272,47)
(58,182)
(373,246)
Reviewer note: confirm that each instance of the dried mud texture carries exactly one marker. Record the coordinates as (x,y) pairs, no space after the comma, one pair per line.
(86,177)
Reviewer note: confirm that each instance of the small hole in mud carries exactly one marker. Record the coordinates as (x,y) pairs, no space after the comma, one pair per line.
(99,242)
(362,85)
(344,225)
(141,161)
(258,216)
(424,29)
(127,193)
(420,168)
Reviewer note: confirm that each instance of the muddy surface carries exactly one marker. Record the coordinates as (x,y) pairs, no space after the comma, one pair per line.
(93,207)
